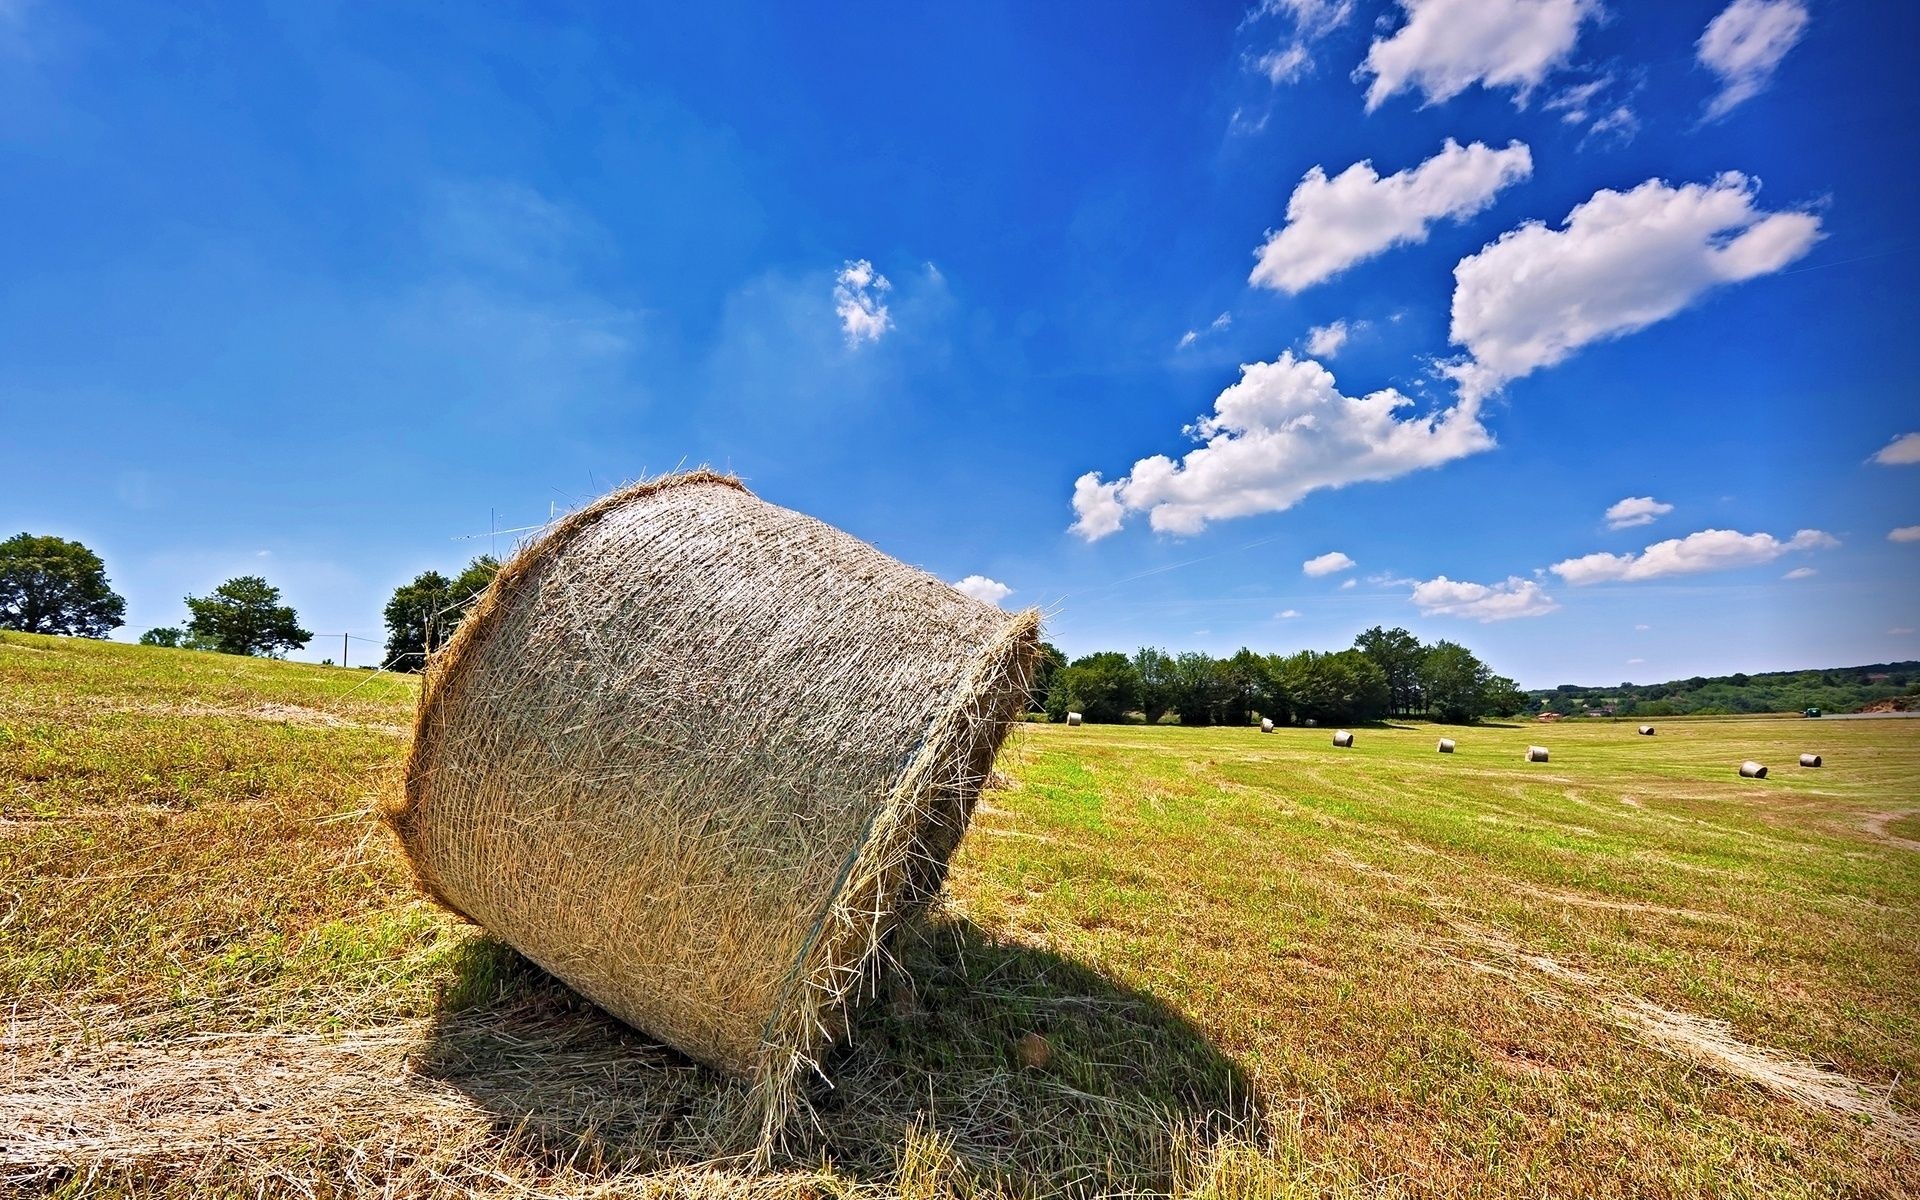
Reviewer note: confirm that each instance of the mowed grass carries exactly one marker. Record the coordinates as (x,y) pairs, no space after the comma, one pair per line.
(1263,967)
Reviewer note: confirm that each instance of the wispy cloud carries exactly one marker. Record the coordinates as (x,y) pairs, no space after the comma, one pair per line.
(859,294)
(1744,46)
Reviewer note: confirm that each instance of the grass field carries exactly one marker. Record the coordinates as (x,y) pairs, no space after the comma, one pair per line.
(1264,967)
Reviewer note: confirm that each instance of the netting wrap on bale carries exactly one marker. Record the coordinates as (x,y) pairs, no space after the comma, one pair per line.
(695,754)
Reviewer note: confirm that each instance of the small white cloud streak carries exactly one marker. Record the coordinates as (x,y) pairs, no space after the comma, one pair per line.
(1330,563)
(989,591)
(1504,601)
(1635,510)
(1903,451)
(858,300)
(1325,341)
(1333,223)
(1288,615)
(1744,46)
(1800,573)
(1707,550)
(1906,533)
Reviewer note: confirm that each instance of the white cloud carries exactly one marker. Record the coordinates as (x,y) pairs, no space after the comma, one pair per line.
(1288,615)
(1221,322)
(858,295)
(1906,533)
(1312,20)
(1280,433)
(1744,46)
(991,591)
(1902,451)
(1335,223)
(1621,261)
(1636,510)
(1900,631)
(1634,662)
(1325,341)
(1708,550)
(1284,64)
(1641,628)
(1447,46)
(1330,563)
(1514,597)
(1345,584)
(1800,573)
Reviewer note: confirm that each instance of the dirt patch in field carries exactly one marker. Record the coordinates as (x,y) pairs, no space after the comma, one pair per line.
(1876,825)
(1629,906)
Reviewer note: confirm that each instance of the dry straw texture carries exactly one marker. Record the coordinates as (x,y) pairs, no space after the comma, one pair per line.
(695,754)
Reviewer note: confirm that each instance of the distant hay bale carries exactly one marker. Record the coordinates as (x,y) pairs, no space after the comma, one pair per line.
(1342,738)
(1752,770)
(1074,718)
(1536,754)
(1445,746)
(1646,731)
(1809,760)
(695,754)
(1266,724)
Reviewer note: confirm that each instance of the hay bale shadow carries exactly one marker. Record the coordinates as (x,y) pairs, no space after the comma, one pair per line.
(1127,1092)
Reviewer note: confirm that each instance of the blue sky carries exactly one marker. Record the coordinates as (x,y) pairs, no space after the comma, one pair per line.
(314,290)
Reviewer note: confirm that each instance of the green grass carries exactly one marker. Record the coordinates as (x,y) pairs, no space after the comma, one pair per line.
(1264,967)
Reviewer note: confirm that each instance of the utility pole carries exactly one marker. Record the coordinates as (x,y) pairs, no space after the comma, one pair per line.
(343,649)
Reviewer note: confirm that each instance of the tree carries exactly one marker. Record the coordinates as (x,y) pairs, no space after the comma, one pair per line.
(1046,668)
(1398,654)
(1153,669)
(1101,687)
(1343,686)
(1197,689)
(1246,686)
(244,616)
(425,611)
(1504,697)
(51,585)
(166,635)
(1456,683)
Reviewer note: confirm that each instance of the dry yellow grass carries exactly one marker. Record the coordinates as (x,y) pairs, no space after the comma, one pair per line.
(1261,968)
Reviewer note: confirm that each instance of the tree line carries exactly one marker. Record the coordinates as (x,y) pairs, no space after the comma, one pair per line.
(53,585)
(1385,672)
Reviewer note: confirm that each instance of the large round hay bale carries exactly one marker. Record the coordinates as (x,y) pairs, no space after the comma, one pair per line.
(1752,770)
(1536,754)
(1809,760)
(1646,731)
(1445,746)
(694,754)
(1342,738)
(1074,718)
(1266,724)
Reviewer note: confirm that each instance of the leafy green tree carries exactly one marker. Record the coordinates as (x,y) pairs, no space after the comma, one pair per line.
(1504,697)
(244,616)
(424,612)
(51,585)
(165,635)
(1153,668)
(1398,654)
(1046,669)
(1246,684)
(1342,686)
(1101,687)
(1457,683)
(1197,688)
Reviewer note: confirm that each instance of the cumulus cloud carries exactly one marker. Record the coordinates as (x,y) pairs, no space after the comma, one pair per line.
(1635,510)
(1902,451)
(1800,573)
(1282,431)
(1513,597)
(1620,261)
(1447,46)
(992,591)
(1744,46)
(859,294)
(1708,550)
(1325,341)
(1221,322)
(1330,563)
(1906,533)
(1345,584)
(1333,223)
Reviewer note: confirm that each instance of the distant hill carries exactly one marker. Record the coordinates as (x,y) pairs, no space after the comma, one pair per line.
(1836,690)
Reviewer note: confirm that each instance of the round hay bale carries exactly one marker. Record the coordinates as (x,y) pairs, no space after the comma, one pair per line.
(1074,718)
(695,754)
(1809,760)
(1752,770)
(1342,738)
(1445,746)
(1266,724)
(1536,754)
(1646,731)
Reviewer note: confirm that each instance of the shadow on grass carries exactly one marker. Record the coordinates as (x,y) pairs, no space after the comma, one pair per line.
(1128,1092)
